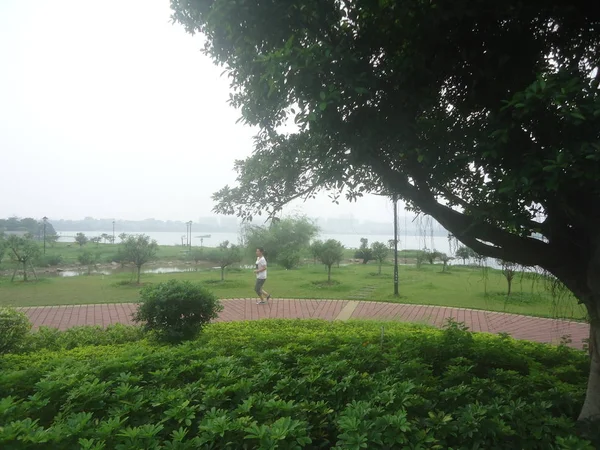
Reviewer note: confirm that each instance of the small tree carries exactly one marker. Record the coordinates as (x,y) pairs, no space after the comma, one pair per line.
(104,237)
(96,240)
(465,253)
(22,251)
(225,255)
(2,246)
(123,237)
(364,252)
(481,260)
(445,259)
(431,256)
(331,253)
(52,239)
(380,253)
(81,239)
(89,259)
(139,250)
(197,255)
(509,270)
(315,250)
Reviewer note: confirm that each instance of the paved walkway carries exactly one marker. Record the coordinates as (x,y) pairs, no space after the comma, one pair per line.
(520,327)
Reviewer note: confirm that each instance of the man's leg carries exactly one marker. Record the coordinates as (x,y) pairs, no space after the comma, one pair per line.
(258,289)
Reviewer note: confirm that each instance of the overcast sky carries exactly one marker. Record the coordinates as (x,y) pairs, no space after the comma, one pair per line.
(108,110)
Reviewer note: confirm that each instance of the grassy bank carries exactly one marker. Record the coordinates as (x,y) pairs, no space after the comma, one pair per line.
(460,287)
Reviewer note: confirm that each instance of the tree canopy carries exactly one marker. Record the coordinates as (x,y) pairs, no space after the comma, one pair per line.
(485,116)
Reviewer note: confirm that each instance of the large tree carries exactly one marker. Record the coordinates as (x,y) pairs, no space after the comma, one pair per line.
(283,240)
(484,115)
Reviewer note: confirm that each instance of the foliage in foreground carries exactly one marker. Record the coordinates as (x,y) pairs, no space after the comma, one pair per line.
(14,329)
(297,384)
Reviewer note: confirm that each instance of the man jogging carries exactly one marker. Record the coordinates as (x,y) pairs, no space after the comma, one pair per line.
(261,276)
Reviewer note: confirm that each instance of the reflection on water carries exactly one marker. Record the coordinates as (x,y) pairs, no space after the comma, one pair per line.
(157,270)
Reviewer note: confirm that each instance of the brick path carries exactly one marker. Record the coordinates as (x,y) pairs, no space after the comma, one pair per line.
(520,327)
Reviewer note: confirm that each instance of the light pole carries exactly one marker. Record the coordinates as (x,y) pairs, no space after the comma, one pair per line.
(44,219)
(395,245)
(189,224)
(113,241)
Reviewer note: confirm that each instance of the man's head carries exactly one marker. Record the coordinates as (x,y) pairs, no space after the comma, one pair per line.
(260,251)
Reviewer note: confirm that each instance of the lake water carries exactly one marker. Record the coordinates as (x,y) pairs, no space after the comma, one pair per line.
(407,242)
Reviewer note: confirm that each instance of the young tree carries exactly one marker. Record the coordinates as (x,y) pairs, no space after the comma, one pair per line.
(139,250)
(96,240)
(432,255)
(81,239)
(331,253)
(52,239)
(505,157)
(225,255)
(445,259)
(2,246)
(315,250)
(123,237)
(104,237)
(380,253)
(22,251)
(89,259)
(509,270)
(465,253)
(364,252)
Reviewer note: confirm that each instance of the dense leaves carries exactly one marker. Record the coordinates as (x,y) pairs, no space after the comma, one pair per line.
(485,115)
(291,385)
(283,240)
(176,310)
(14,329)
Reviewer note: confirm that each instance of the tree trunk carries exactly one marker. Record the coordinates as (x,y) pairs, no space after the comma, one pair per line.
(591,406)
(379,272)
(509,287)
(139,274)
(24,271)
(222,273)
(329,274)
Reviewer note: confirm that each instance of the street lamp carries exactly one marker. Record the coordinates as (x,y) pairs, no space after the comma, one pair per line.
(44,219)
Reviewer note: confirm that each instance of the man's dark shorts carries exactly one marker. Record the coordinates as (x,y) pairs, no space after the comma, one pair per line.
(259,284)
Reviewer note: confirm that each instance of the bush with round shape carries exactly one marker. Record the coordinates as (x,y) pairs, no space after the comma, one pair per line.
(176,310)
(14,329)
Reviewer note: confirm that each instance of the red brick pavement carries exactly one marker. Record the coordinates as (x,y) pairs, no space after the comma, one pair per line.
(520,327)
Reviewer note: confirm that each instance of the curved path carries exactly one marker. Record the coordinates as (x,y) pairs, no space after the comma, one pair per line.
(520,327)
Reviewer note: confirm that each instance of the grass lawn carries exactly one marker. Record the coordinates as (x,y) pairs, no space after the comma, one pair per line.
(460,287)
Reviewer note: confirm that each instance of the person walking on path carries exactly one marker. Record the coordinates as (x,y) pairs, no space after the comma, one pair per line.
(261,276)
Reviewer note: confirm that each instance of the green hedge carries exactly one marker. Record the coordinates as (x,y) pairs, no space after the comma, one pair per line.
(297,384)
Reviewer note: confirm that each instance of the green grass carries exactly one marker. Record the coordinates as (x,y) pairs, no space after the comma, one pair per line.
(461,287)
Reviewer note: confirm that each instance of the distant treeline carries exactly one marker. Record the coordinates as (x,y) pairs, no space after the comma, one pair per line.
(27,225)
(345,225)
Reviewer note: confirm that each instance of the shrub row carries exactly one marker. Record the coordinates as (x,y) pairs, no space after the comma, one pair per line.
(297,384)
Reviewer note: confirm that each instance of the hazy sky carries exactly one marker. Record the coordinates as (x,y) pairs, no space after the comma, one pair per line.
(109,110)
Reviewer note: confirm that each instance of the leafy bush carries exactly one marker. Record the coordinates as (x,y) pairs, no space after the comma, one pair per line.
(53,339)
(298,384)
(50,260)
(14,329)
(177,310)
